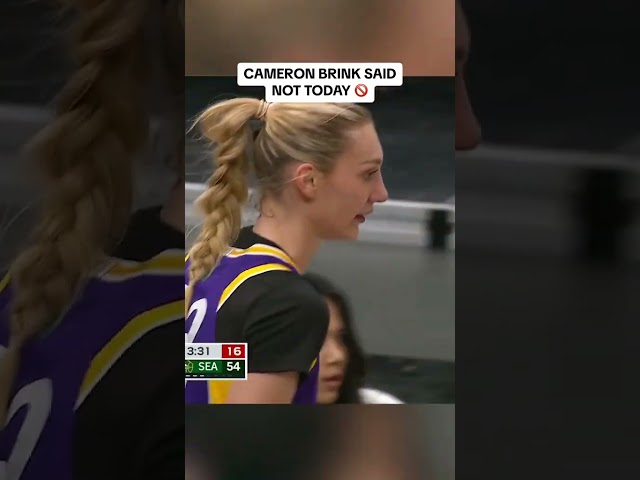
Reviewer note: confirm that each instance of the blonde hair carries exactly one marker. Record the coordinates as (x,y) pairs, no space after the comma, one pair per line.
(292,132)
(86,156)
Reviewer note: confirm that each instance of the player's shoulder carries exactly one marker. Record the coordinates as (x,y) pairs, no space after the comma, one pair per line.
(168,263)
(149,292)
(288,299)
(282,294)
(164,268)
(285,287)
(158,275)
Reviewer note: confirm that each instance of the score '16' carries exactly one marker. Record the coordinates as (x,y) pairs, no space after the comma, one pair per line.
(233,351)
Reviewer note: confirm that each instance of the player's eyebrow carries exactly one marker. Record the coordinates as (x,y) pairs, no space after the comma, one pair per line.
(376,161)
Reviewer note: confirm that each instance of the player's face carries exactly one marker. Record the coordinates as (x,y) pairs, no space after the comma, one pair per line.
(347,195)
(467,127)
(333,358)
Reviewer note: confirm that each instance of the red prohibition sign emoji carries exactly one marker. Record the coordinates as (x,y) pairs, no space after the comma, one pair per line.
(361,90)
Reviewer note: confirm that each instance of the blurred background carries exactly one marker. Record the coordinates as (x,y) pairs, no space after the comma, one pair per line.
(32,66)
(402,289)
(417,33)
(556,155)
(548,242)
(339,443)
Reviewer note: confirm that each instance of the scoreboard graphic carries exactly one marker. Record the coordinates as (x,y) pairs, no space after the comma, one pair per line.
(215,361)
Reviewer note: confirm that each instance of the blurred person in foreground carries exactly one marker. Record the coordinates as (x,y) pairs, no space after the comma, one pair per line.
(318,172)
(378,443)
(342,361)
(195,468)
(343,442)
(79,328)
(417,33)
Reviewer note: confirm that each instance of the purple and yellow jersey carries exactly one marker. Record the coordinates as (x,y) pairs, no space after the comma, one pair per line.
(210,294)
(59,370)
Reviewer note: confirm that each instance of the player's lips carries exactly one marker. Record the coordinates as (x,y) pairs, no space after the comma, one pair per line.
(334,381)
(363,216)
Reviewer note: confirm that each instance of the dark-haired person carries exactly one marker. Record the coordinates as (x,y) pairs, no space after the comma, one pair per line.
(342,361)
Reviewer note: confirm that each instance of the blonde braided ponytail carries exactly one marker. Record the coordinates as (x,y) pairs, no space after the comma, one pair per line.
(86,157)
(226,124)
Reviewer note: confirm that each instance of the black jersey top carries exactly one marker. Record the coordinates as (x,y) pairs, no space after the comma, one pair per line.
(282,317)
(271,307)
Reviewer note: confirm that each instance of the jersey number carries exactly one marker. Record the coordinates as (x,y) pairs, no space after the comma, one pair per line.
(200,309)
(37,397)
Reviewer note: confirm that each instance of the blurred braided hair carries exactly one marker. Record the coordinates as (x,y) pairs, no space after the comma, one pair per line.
(86,156)
(292,132)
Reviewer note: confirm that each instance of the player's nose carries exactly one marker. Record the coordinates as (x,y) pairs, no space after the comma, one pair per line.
(337,354)
(380,193)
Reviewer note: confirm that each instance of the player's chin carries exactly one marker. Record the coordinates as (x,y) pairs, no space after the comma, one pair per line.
(327,397)
(352,232)
(343,232)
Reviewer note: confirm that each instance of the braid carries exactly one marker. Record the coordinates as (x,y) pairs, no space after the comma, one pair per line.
(227,191)
(85,155)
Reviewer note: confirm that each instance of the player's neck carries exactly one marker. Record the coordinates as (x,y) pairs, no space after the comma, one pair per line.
(172,212)
(291,236)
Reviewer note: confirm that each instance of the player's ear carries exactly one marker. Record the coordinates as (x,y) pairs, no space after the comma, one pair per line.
(305,178)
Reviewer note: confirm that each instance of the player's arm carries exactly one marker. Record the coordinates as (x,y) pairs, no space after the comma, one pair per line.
(285,330)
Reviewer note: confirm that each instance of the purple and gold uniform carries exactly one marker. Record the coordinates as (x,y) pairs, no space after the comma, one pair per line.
(60,369)
(232,272)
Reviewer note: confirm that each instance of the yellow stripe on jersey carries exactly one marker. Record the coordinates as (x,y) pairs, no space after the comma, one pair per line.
(123,340)
(313,364)
(219,391)
(261,249)
(257,249)
(246,275)
(167,263)
(4,282)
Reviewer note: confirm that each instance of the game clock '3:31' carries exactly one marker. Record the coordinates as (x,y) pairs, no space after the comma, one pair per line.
(200,350)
